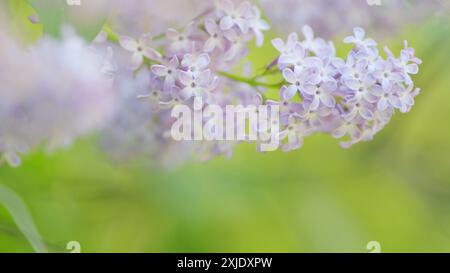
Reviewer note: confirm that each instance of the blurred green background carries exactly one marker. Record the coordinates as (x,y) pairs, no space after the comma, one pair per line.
(394,190)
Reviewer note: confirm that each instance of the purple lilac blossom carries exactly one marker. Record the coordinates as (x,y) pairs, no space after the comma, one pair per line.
(186,64)
(351,99)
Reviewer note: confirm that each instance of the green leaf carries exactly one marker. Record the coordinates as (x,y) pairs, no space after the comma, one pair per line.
(22,218)
(51,15)
(20,24)
(87,18)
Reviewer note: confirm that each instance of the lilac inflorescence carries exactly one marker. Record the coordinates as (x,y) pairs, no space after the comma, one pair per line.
(189,67)
(350,99)
(127,86)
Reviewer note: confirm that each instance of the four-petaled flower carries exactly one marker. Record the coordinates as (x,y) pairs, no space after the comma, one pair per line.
(362,90)
(181,40)
(140,48)
(295,131)
(359,40)
(286,48)
(168,72)
(386,72)
(321,94)
(388,99)
(296,79)
(194,85)
(258,25)
(195,63)
(235,16)
(216,38)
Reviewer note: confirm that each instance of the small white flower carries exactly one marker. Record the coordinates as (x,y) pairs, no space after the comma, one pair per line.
(140,48)
(388,99)
(347,128)
(359,40)
(169,72)
(288,47)
(238,46)
(362,90)
(194,85)
(258,25)
(216,39)
(235,16)
(195,62)
(321,94)
(296,79)
(181,41)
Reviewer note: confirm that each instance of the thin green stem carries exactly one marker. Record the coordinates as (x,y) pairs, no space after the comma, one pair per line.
(271,68)
(250,81)
(112,36)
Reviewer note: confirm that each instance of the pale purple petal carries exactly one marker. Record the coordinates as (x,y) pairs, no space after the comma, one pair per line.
(210,45)
(289,75)
(395,101)
(339,132)
(314,104)
(172,34)
(278,44)
(290,92)
(203,61)
(349,40)
(159,70)
(310,89)
(186,93)
(412,69)
(359,33)
(185,77)
(328,100)
(136,61)
(151,54)
(382,104)
(308,32)
(226,23)
(366,113)
(174,63)
(242,24)
(128,43)
(211,27)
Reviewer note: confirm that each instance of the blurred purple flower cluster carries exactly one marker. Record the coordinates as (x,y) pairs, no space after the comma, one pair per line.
(330,17)
(351,99)
(51,94)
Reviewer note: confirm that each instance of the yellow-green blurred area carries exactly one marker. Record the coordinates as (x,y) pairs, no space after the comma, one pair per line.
(394,190)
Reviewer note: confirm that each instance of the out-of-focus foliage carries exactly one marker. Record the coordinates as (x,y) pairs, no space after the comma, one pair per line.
(88,18)
(21,26)
(18,210)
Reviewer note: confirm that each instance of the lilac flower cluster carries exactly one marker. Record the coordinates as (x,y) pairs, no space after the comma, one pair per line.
(350,99)
(189,66)
(125,86)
